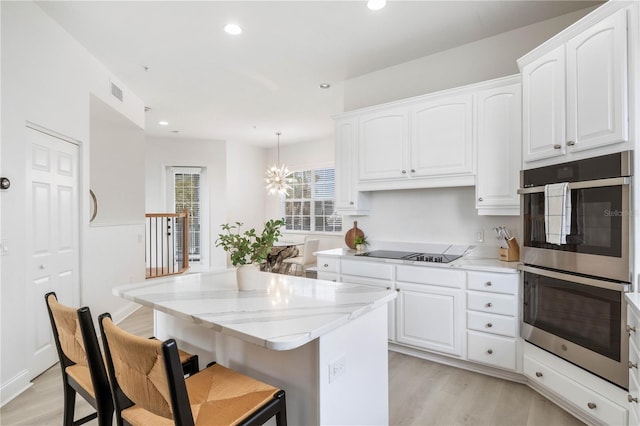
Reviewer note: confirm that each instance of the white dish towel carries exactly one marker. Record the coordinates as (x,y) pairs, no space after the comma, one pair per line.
(557,212)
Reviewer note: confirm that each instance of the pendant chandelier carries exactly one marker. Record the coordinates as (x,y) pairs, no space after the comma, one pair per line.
(278,176)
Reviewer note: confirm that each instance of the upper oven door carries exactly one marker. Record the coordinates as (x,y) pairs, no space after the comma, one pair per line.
(598,243)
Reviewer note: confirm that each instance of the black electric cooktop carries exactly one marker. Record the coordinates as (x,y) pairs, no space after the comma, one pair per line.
(411,256)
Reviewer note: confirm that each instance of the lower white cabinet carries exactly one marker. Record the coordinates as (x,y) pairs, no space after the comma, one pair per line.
(327,268)
(633,399)
(563,381)
(372,282)
(497,351)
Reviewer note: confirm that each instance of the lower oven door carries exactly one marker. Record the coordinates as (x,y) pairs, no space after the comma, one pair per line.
(579,319)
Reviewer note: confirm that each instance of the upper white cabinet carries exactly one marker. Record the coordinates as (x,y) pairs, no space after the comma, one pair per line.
(442,137)
(348,199)
(575,94)
(383,144)
(499,139)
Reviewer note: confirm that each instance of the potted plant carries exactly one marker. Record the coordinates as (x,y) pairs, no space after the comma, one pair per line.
(248,249)
(361,243)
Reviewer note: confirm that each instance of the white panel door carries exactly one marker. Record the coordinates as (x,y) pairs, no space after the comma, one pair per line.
(52,237)
(430,317)
(382,145)
(499,141)
(442,137)
(543,107)
(597,85)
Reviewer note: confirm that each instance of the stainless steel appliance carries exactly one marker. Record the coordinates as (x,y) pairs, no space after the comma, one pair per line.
(573,298)
(598,243)
(411,256)
(580,319)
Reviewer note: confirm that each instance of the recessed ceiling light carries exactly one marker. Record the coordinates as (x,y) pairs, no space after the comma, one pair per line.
(163,123)
(232,29)
(324,85)
(376,4)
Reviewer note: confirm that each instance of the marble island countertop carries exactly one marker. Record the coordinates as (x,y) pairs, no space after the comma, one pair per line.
(473,260)
(285,313)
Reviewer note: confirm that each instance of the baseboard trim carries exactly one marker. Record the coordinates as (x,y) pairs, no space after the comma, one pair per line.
(14,387)
(122,313)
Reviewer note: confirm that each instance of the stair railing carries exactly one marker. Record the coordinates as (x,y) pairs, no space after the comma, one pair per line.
(166,243)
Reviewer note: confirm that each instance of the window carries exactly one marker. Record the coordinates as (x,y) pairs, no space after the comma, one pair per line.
(310,206)
(187,194)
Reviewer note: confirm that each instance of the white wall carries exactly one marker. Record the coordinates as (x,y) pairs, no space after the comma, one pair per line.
(482,60)
(47,78)
(209,154)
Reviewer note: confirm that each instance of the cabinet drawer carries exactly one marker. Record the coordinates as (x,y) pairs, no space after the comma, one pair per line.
(502,304)
(328,264)
(378,270)
(494,350)
(633,326)
(496,283)
(587,400)
(329,276)
(634,408)
(490,323)
(634,361)
(432,276)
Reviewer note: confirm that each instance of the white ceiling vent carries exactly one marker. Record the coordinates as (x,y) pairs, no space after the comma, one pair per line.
(116,91)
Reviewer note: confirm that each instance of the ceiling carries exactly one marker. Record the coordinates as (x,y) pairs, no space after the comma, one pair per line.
(211,85)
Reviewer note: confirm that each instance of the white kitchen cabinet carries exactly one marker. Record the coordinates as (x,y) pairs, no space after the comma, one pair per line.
(441,139)
(348,199)
(383,144)
(499,141)
(328,267)
(385,284)
(575,95)
(492,319)
(633,399)
(430,308)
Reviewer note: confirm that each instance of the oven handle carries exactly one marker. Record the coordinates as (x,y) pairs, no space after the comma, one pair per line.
(625,180)
(619,286)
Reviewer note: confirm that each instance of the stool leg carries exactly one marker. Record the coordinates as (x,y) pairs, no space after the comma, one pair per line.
(69,404)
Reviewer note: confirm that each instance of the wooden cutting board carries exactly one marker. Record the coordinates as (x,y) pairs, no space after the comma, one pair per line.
(351,235)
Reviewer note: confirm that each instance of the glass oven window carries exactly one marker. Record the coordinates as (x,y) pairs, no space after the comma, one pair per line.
(585,315)
(596,222)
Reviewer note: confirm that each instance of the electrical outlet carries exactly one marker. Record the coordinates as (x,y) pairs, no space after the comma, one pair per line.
(337,368)
(480,236)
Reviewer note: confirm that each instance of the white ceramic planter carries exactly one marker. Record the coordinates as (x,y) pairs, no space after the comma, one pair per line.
(247,277)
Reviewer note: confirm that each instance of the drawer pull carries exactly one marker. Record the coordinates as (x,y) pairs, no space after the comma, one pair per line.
(326,265)
(489,325)
(557,146)
(538,374)
(632,365)
(490,351)
(591,405)
(571,143)
(488,283)
(632,399)
(488,305)
(630,329)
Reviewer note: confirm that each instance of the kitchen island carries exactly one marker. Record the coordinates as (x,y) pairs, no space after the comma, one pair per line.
(324,343)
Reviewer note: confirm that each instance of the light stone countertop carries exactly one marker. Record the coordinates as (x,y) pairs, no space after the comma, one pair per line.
(470,261)
(285,313)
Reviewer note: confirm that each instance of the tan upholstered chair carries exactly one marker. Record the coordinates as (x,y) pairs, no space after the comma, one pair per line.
(81,362)
(147,373)
(307,258)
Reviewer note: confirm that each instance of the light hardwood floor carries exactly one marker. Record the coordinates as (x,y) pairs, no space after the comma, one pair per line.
(421,393)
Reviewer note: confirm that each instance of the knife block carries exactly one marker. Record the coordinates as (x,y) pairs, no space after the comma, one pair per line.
(511,253)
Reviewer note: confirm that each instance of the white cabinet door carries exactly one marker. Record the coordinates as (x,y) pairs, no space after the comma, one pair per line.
(383,145)
(348,199)
(442,137)
(543,114)
(430,317)
(499,138)
(597,85)
(372,282)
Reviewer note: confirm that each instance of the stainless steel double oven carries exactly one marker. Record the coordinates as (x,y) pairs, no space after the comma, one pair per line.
(573,299)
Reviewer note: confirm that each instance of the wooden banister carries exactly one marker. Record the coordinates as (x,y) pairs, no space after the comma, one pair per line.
(162,254)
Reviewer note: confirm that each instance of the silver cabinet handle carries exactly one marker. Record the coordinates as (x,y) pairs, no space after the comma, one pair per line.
(538,374)
(413,170)
(490,351)
(488,305)
(632,365)
(480,199)
(489,325)
(487,284)
(591,405)
(351,203)
(404,172)
(326,265)
(571,143)
(632,399)
(631,329)
(557,146)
